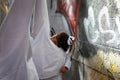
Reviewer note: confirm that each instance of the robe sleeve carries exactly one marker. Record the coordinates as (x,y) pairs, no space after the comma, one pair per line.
(68,60)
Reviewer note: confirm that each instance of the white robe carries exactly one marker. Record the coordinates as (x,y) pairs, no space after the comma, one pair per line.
(15,49)
(48,58)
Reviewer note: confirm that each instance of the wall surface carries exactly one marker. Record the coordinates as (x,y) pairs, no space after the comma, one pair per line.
(98,50)
(99,25)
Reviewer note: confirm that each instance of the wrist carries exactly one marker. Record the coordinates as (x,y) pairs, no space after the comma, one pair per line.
(66,67)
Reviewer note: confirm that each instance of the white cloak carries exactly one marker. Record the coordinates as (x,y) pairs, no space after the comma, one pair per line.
(15,49)
(48,58)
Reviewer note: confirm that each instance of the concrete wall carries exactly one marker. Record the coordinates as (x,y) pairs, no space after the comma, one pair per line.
(99,25)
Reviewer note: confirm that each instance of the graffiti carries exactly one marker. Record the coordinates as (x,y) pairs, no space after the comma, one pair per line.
(106,66)
(118,23)
(96,31)
(104,11)
(102,28)
(117,2)
(90,22)
(112,63)
(70,9)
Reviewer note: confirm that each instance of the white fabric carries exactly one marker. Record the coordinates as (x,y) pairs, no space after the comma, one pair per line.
(15,51)
(68,60)
(32,73)
(47,56)
(57,77)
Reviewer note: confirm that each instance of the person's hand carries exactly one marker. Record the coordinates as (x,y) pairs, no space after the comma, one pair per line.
(64,69)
